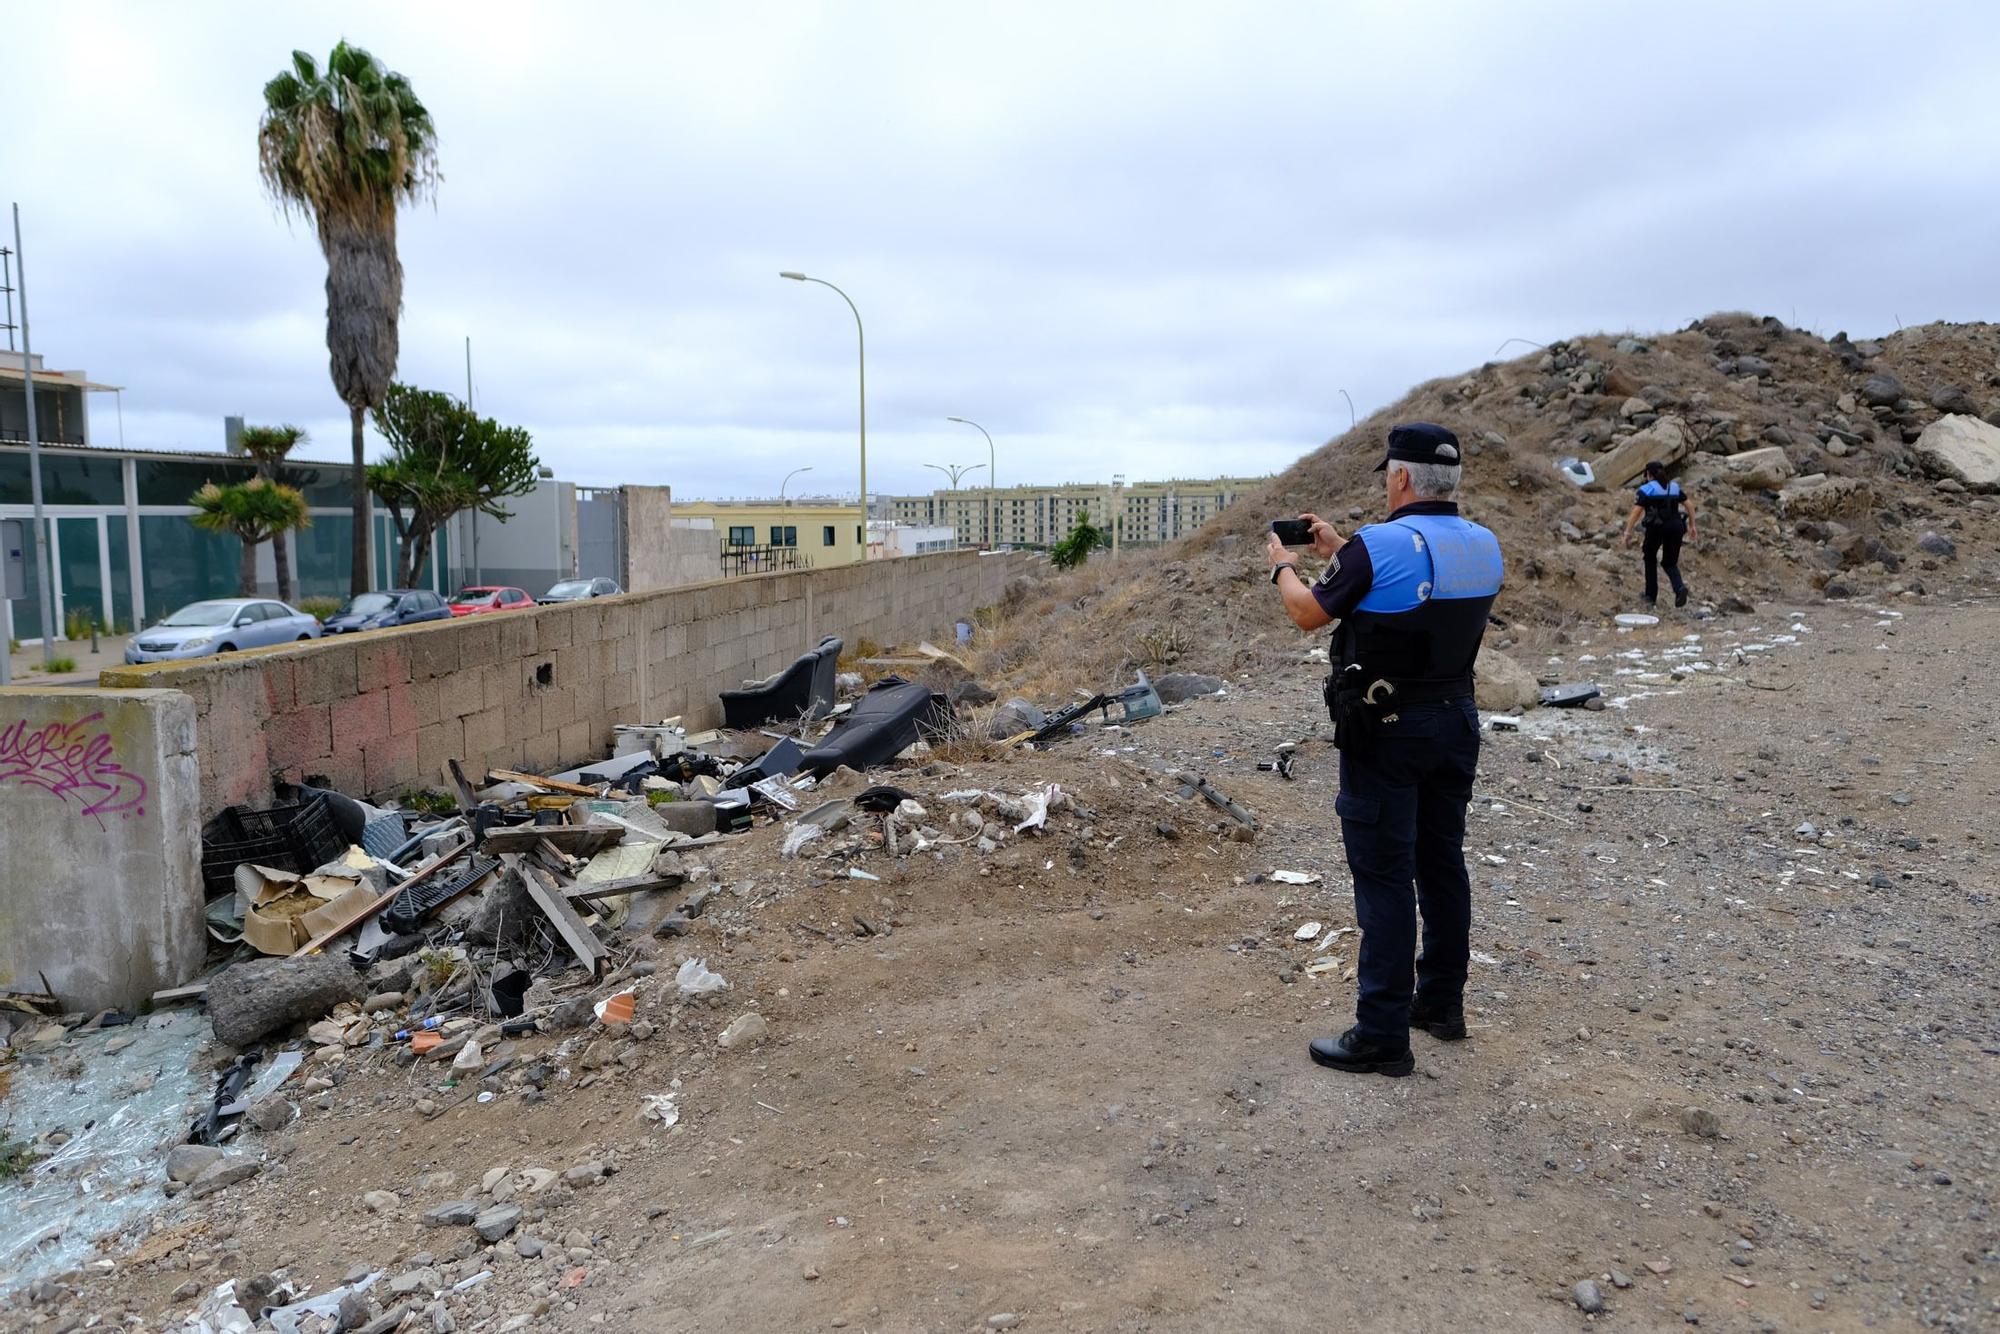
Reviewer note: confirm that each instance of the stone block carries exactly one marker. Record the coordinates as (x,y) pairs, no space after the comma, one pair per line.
(579,742)
(486,734)
(324,673)
(434,654)
(1962,448)
(360,719)
(100,843)
(303,740)
(381,664)
(436,743)
(1666,441)
(552,629)
(403,715)
(391,766)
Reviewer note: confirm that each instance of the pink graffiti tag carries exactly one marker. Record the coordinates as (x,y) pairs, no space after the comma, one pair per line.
(74,761)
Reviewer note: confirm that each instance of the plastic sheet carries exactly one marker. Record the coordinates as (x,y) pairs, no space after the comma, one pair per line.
(694,979)
(122,1111)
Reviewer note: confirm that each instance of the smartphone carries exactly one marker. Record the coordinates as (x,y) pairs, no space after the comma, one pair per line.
(1293,532)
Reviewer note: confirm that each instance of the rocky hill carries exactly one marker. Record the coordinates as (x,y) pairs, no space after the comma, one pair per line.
(1820,468)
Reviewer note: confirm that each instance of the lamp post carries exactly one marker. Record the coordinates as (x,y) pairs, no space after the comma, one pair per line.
(788,481)
(992,478)
(954,470)
(861,348)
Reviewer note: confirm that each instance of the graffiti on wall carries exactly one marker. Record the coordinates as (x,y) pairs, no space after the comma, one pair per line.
(76,761)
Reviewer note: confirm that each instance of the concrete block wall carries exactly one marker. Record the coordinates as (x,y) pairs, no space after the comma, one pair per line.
(379,714)
(100,844)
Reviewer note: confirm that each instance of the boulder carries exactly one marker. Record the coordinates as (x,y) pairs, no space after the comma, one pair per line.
(1962,448)
(248,1000)
(1882,390)
(1175,687)
(1817,496)
(1013,718)
(1953,399)
(186,1162)
(1666,440)
(1764,469)
(1501,685)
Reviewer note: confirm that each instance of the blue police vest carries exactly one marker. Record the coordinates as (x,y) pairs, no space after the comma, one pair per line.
(1662,504)
(1436,576)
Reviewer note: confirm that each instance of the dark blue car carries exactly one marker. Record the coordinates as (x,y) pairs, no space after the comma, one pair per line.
(391,606)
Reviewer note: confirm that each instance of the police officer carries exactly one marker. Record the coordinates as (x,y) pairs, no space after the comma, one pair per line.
(1411,597)
(1669,516)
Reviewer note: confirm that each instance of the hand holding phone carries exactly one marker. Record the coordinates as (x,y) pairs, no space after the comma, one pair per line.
(1293,532)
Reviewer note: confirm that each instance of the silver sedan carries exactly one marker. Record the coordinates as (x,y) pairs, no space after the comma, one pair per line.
(221,625)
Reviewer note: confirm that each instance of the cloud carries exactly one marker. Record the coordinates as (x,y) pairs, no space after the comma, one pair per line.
(1149,239)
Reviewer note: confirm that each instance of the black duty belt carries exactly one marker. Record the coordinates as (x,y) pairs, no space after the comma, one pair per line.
(1389,693)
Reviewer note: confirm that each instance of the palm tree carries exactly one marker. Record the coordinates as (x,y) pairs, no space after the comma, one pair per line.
(253,512)
(269,445)
(345,147)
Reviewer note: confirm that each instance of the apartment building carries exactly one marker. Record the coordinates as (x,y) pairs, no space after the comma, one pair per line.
(1146,513)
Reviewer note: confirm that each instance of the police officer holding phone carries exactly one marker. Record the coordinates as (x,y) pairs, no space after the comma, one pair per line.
(1410,597)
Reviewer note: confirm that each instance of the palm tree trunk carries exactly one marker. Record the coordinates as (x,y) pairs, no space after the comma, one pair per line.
(414,552)
(283,557)
(247,578)
(363,576)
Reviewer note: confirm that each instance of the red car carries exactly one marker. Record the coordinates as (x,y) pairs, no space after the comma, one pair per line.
(478,601)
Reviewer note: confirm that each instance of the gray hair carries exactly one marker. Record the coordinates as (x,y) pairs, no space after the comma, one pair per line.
(1429,481)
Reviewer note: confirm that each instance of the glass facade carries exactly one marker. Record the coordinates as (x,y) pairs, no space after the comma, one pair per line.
(81,572)
(172,481)
(67,479)
(119,542)
(183,564)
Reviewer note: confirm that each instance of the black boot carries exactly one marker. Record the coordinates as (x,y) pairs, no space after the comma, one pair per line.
(1362,1056)
(1446,1023)
(1680,597)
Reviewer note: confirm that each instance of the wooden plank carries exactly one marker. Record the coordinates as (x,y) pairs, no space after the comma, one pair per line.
(460,787)
(581,840)
(536,780)
(605,889)
(360,915)
(584,945)
(174,995)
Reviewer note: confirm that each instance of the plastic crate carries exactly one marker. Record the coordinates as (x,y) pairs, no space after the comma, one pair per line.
(299,838)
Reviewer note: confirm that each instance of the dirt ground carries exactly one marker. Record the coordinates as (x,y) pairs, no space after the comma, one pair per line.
(1071,1085)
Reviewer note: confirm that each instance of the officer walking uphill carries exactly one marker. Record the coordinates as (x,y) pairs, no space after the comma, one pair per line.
(1411,597)
(1669,516)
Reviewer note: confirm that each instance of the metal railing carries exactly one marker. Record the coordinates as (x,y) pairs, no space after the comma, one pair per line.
(762,560)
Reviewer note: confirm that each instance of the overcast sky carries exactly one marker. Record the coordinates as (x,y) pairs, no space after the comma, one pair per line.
(1151,238)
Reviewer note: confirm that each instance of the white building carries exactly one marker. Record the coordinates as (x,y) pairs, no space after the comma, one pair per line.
(887,539)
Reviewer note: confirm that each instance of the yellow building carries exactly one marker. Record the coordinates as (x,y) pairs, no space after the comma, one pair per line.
(1147,513)
(757,535)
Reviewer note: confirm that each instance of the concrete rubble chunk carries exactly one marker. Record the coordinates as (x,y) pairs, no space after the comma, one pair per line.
(1817,496)
(1962,448)
(248,1000)
(1764,469)
(745,1031)
(224,1173)
(1501,685)
(186,1162)
(495,1223)
(1666,440)
(453,1213)
(272,1112)
(1175,687)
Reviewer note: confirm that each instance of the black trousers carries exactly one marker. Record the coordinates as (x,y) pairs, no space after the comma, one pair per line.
(1402,818)
(1663,548)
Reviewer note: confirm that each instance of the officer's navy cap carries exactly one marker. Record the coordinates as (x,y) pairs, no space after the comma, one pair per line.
(1421,442)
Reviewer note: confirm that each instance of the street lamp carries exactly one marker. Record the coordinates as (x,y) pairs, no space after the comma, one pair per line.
(954,470)
(992,478)
(788,481)
(861,346)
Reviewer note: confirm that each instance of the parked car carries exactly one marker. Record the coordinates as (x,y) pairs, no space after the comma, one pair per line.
(221,625)
(576,590)
(391,606)
(479,600)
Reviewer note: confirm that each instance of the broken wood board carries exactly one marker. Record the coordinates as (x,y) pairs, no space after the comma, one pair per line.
(579,840)
(366,911)
(536,780)
(589,951)
(936,654)
(591,891)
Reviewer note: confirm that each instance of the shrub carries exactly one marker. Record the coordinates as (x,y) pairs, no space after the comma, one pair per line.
(323,608)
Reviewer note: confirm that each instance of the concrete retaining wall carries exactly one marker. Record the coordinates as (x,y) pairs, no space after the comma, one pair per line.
(379,714)
(100,844)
